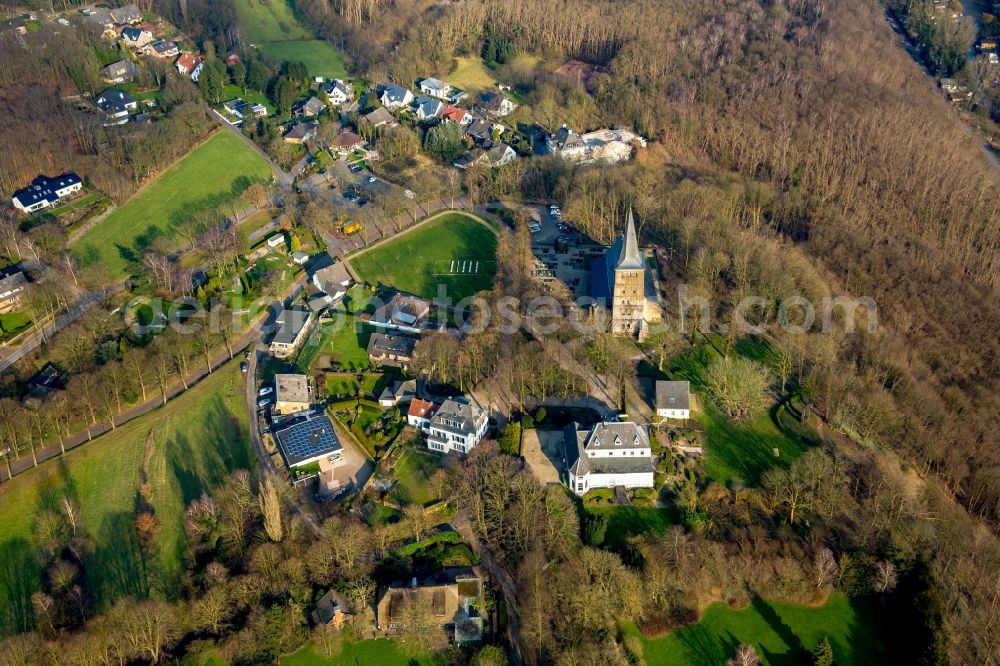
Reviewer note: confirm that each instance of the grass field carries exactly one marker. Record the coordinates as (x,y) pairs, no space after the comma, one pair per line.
(321,58)
(408,262)
(472,75)
(413,471)
(13,323)
(194,442)
(213,174)
(626,521)
(344,342)
(740,450)
(782,634)
(274,29)
(381,652)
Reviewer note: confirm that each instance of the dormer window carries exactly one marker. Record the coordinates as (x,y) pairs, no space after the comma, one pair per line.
(618,440)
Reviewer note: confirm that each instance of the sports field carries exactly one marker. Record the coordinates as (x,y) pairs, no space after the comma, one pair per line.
(184,448)
(780,633)
(273,28)
(453,250)
(212,175)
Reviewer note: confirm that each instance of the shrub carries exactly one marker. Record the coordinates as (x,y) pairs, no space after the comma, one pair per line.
(510,439)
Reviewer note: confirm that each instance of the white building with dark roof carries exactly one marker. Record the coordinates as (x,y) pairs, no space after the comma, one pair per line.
(116,105)
(608,455)
(44,192)
(673,399)
(293,329)
(458,425)
(311,440)
(395,97)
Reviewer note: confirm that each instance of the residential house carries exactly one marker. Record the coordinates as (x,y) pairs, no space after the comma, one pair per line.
(673,399)
(46,381)
(456,114)
(428,108)
(608,455)
(11,289)
(338,92)
(566,143)
(435,88)
(397,392)
(310,107)
(387,349)
(17,24)
(189,65)
(420,413)
(44,192)
(610,146)
(116,105)
(380,117)
(449,600)
(240,109)
(276,241)
(291,394)
(331,611)
(310,440)
(333,280)
(496,104)
(347,142)
(136,38)
(403,313)
(162,48)
(125,15)
(293,328)
(458,425)
(122,71)
(499,155)
(480,130)
(395,97)
(301,132)
(101,20)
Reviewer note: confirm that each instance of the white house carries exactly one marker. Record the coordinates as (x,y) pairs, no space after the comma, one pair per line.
(339,92)
(496,104)
(608,455)
(189,65)
(136,37)
(435,88)
(458,425)
(419,414)
(116,105)
(44,192)
(277,240)
(395,97)
(428,108)
(673,400)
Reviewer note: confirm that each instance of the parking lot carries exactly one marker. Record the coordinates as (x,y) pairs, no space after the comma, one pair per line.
(570,266)
(543,454)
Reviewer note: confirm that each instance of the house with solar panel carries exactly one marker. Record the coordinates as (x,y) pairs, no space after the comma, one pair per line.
(44,192)
(608,455)
(308,441)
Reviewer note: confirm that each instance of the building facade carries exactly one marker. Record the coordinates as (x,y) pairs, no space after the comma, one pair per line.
(608,455)
(458,425)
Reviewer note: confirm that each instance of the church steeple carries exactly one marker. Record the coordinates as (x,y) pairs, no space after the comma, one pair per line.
(630,258)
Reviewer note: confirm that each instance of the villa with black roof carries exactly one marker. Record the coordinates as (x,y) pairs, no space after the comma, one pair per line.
(458,425)
(608,455)
(44,192)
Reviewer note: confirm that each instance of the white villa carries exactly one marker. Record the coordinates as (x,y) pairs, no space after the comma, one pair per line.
(458,425)
(608,455)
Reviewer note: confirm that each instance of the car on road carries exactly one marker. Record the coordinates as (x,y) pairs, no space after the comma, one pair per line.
(372,179)
(267,390)
(244,366)
(354,168)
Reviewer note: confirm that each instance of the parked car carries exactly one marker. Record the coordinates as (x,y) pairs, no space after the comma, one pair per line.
(244,366)
(267,390)
(354,168)
(372,179)
(263,402)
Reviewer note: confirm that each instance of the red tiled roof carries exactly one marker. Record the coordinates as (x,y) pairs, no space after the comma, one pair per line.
(421,408)
(454,113)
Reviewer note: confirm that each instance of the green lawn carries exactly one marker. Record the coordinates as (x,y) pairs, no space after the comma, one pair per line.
(344,385)
(781,634)
(212,175)
(344,343)
(376,652)
(740,450)
(233,91)
(270,21)
(626,521)
(413,471)
(321,58)
(410,261)
(194,442)
(13,323)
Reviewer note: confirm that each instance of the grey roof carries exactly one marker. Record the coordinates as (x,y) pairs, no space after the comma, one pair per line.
(479,129)
(428,107)
(126,14)
(497,153)
(673,395)
(382,344)
(313,105)
(308,439)
(120,69)
(290,324)
(601,437)
(395,94)
(399,389)
(11,284)
(434,84)
(100,17)
(133,34)
(460,416)
(333,278)
(302,131)
(566,139)
(630,258)
(380,116)
(113,99)
(491,101)
(291,388)
(337,84)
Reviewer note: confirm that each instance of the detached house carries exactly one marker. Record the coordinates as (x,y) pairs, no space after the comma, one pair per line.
(673,399)
(428,108)
(395,97)
(301,132)
(450,600)
(420,414)
(293,328)
(403,313)
(395,350)
(116,105)
(608,455)
(125,15)
(44,192)
(380,117)
(311,107)
(189,65)
(456,114)
(347,142)
(136,38)
(435,88)
(101,21)
(162,48)
(122,71)
(338,92)
(11,288)
(496,104)
(291,394)
(458,425)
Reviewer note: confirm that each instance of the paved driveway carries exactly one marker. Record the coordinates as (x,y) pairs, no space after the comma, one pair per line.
(543,454)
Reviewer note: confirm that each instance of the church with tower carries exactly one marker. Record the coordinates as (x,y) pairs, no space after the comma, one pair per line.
(622,281)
